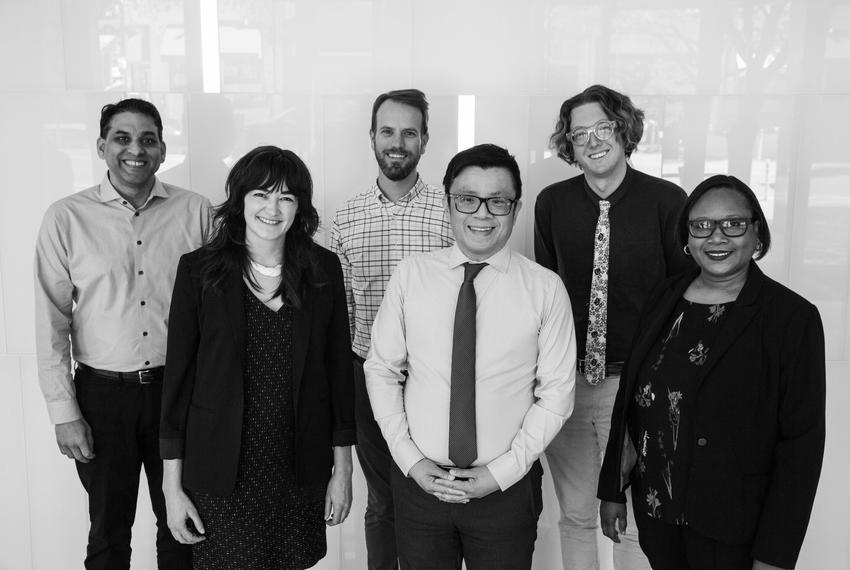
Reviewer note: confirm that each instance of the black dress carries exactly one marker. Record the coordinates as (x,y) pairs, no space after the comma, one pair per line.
(267,522)
(665,400)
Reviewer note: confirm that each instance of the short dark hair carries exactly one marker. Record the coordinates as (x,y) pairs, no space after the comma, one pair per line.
(139,106)
(483,156)
(617,107)
(731,183)
(410,97)
(267,168)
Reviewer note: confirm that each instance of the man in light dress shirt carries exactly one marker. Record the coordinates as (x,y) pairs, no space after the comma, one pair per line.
(105,263)
(524,379)
(398,215)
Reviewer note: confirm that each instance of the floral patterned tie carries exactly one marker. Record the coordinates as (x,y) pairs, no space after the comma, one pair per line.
(597,318)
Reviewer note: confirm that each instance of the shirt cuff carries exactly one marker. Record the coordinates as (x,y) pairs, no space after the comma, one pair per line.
(64,411)
(506,471)
(406,455)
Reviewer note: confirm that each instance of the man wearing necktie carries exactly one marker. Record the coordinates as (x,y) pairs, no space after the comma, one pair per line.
(471,374)
(610,233)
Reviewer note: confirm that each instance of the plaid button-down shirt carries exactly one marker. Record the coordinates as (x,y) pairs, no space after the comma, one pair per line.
(371,234)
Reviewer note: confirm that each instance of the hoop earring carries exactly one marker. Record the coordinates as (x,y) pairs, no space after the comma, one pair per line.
(687,250)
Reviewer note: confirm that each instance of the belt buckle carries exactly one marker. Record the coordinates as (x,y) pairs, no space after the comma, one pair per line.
(143,374)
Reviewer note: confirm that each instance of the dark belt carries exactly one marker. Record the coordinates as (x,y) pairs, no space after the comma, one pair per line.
(144,376)
(611,368)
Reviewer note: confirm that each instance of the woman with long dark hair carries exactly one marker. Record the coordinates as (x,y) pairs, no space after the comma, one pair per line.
(257,410)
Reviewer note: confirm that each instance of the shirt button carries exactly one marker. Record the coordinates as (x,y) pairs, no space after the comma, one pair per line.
(136,214)
(143,303)
(145,333)
(141,272)
(702,442)
(147,362)
(139,242)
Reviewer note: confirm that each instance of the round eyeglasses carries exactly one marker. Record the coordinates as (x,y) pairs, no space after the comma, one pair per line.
(469,204)
(603,130)
(730,227)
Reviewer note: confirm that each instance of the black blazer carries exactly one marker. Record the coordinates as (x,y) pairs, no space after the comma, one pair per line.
(202,393)
(759,418)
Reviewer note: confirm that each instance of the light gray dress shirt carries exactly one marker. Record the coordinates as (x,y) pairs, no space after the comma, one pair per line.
(104,272)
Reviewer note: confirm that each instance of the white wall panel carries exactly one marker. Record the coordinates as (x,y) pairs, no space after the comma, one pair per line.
(32,57)
(14,491)
(58,509)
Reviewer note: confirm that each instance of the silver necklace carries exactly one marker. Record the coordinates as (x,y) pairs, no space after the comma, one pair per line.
(267,270)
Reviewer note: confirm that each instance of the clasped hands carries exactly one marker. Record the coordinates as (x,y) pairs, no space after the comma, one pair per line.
(453,485)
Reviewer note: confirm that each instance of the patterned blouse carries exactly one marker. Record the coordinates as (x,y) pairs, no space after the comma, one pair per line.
(665,395)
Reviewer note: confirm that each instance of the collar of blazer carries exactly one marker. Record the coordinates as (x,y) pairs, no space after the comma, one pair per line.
(660,307)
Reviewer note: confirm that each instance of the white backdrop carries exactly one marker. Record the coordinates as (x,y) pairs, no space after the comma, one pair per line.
(757,89)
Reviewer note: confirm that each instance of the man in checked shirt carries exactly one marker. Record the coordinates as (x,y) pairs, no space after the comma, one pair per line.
(398,215)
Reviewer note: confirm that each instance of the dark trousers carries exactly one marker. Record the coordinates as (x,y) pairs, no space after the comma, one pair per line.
(124,419)
(376,462)
(674,547)
(496,532)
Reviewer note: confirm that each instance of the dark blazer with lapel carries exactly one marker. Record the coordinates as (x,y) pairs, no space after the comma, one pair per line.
(202,397)
(759,417)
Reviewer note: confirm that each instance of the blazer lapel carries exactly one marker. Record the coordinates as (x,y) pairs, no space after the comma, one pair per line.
(661,316)
(302,319)
(236,312)
(743,311)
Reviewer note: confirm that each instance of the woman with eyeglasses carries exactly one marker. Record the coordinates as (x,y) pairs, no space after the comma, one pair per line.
(718,424)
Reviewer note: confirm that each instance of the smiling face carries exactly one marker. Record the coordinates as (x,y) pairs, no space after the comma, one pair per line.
(133,152)
(597,159)
(269,215)
(481,234)
(723,258)
(398,141)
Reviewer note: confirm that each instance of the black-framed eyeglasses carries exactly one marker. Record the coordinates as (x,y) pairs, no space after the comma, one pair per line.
(496,205)
(603,130)
(730,227)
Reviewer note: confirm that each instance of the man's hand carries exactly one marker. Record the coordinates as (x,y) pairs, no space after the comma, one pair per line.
(427,475)
(611,517)
(180,510)
(75,440)
(479,482)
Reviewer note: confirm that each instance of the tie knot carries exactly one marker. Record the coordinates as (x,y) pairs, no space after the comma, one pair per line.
(471,271)
(604,206)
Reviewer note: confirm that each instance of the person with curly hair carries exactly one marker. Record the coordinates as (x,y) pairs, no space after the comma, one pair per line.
(610,233)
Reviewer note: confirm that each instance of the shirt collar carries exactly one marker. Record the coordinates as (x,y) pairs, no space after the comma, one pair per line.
(411,195)
(107,191)
(617,194)
(501,260)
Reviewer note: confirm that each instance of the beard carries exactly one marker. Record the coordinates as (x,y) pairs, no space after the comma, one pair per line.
(395,170)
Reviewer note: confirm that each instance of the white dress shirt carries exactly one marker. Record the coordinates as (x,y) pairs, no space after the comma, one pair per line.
(525,360)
